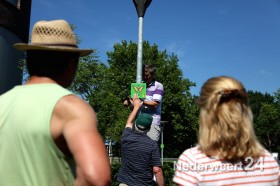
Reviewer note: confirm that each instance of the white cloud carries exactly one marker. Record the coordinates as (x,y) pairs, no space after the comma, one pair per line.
(264,72)
(46,4)
(179,49)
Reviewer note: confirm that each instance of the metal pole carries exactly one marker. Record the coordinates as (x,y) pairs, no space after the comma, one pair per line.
(140,51)
(141,7)
(110,151)
(162,145)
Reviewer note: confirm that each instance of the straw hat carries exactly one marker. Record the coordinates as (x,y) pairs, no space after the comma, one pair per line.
(55,35)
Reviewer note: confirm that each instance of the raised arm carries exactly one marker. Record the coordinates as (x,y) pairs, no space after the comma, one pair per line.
(77,123)
(151,104)
(131,118)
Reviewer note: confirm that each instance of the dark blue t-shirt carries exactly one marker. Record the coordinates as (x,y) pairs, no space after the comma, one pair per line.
(139,154)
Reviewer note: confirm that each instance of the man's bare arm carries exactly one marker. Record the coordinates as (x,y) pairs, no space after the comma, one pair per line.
(151,104)
(137,104)
(78,125)
(159,175)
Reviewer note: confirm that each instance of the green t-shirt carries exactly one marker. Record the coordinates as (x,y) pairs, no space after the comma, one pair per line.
(28,154)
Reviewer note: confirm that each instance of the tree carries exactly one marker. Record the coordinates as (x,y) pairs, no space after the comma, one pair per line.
(178,107)
(277,97)
(268,126)
(89,80)
(266,109)
(256,99)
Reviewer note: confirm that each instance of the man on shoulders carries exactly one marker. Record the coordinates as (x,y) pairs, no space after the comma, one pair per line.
(153,101)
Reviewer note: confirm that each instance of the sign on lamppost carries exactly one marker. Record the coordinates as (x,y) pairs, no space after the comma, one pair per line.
(141,7)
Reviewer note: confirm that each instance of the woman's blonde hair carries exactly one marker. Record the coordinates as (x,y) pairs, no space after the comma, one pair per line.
(226,121)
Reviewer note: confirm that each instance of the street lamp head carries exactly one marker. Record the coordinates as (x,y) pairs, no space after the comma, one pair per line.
(141,6)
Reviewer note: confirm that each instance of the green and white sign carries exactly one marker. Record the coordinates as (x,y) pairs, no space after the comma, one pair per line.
(139,89)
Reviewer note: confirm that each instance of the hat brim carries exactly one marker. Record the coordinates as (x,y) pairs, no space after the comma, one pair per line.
(26,47)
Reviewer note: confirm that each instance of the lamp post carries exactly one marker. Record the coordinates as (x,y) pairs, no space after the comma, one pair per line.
(141,6)
(162,123)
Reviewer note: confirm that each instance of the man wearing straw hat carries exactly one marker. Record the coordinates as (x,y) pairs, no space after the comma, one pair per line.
(42,123)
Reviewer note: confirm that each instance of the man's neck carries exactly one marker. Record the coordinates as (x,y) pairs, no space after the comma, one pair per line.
(149,84)
(40,80)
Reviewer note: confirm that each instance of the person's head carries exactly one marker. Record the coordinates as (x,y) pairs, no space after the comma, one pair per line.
(149,73)
(143,122)
(53,50)
(59,66)
(226,120)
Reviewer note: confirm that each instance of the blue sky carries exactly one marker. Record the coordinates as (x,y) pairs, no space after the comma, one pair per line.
(238,38)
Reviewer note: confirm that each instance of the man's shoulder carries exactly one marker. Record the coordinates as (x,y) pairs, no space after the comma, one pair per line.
(74,107)
(155,86)
(133,131)
(130,131)
(147,139)
(127,131)
(158,85)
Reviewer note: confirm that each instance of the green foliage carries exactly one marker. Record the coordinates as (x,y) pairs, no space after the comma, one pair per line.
(256,99)
(168,173)
(266,110)
(177,109)
(277,97)
(268,126)
(115,167)
(89,76)
(105,87)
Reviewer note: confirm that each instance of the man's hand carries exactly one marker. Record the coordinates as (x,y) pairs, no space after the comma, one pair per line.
(137,104)
(159,175)
(136,101)
(128,102)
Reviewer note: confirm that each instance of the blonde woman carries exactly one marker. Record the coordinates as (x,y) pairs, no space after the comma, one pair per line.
(228,152)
